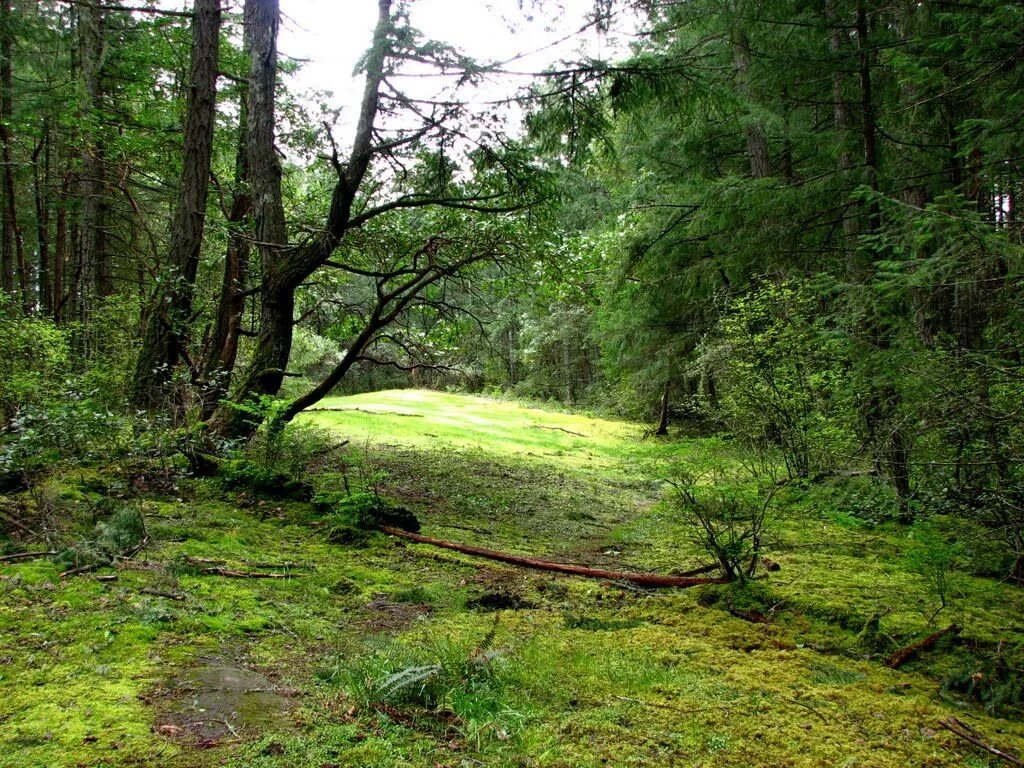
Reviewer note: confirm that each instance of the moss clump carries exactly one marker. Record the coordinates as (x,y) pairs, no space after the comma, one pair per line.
(250,476)
(363,512)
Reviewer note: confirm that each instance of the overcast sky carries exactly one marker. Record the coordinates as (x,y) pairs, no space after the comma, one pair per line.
(329,36)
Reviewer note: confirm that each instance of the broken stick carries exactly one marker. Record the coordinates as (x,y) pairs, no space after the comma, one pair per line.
(967,733)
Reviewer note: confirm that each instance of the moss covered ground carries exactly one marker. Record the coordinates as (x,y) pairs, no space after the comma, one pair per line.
(385,653)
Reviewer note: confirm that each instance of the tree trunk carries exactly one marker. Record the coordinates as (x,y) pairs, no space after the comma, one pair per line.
(167,329)
(222,350)
(13,242)
(277,304)
(60,252)
(663,418)
(41,178)
(756,138)
(284,270)
(93,269)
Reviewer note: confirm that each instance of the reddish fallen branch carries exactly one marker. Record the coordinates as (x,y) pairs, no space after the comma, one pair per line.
(967,733)
(641,579)
(912,651)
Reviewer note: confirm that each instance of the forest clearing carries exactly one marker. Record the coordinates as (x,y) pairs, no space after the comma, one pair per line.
(127,665)
(443,384)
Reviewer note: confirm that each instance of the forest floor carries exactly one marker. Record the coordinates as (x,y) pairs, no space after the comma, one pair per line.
(388,653)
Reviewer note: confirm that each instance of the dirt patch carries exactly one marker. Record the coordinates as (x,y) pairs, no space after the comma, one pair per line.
(219,700)
(500,601)
(386,615)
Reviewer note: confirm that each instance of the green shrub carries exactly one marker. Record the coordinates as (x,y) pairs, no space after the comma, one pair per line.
(445,678)
(251,476)
(996,679)
(121,532)
(363,511)
(73,428)
(933,558)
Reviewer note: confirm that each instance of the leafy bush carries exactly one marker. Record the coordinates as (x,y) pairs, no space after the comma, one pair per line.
(782,374)
(122,531)
(728,523)
(351,516)
(71,428)
(933,558)
(34,359)
(249,475)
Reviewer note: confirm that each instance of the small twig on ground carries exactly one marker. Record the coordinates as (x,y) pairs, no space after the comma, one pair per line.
(366,410)
(810,709)
(81,569)
(641,579)
(18,524)
(560,429)
(969,734)
(233,574)
(159,593)
(25,556)
(230,728)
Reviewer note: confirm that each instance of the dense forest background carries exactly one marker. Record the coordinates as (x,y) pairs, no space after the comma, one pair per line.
(793,223)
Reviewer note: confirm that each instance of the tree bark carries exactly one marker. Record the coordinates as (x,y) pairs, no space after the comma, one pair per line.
(167,329)
(756,138)
(13,257)
(222,350)
(60,251)
(93,269)
(41,179)
(663,417)
(284,270)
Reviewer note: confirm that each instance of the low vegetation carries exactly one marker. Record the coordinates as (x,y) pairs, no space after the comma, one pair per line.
(372,651)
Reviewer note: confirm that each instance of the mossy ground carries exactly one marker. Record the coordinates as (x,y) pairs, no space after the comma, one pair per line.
(578,673)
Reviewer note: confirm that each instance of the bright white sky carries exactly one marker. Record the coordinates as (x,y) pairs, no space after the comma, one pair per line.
(331,35)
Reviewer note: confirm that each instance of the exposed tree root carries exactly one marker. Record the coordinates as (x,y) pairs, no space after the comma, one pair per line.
(967,733)
(641,579)
(912,651)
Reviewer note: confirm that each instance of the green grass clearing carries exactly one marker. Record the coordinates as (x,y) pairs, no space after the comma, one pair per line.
(581,673)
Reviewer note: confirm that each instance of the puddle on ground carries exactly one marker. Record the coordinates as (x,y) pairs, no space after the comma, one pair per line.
(219,700)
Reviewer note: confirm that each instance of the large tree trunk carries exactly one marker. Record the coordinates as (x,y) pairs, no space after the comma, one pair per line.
(93,269)
(284,269)
(222,350)
(662,428)
(756,138)
(277,304)
(167,330)
(60,252)
(13,257)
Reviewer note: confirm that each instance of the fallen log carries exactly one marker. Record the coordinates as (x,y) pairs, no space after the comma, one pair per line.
(641,579)
(969,734)
(912,651)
